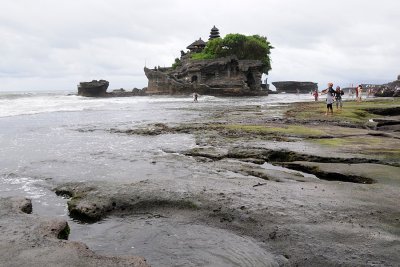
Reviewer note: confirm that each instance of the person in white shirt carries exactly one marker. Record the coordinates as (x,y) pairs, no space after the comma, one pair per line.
(330,94)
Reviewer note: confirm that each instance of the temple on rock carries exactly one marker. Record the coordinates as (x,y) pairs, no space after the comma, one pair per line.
(197,46)
(225,76)
(214,33)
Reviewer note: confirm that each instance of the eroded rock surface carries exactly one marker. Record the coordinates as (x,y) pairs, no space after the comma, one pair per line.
(306,221)
(28,240)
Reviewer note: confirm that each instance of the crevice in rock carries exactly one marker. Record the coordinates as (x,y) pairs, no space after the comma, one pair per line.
(389,111)
(329,176)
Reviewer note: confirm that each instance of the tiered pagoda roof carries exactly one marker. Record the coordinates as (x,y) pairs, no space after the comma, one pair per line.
(214,33)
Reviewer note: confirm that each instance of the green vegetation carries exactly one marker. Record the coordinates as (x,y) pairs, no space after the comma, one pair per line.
(352,112)
(64,233)
(380,147)
(244,47)
(345,142)
(177,63)
(289,130)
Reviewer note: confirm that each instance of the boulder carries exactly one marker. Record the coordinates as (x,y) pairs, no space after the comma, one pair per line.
(93,88)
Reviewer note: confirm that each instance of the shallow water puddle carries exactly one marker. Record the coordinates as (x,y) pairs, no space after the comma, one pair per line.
(171,242)
(44,201)
(269,166)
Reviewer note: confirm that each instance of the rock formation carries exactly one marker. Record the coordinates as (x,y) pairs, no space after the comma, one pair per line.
(224,76)
(99,89)
(93,88)
(295,87)
(391,89)
(31,240)
(124,93)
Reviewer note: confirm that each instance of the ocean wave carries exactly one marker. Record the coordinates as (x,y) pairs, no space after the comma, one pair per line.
(15,104)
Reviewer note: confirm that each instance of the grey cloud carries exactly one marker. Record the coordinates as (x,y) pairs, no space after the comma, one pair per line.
(47,42)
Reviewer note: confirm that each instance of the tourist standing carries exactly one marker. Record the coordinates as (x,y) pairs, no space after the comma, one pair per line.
(329,98)
(195,96)
(338,97)
(359,93)
(356,93)
(315,94)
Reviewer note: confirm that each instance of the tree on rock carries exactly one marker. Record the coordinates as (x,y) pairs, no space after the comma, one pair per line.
(254,47)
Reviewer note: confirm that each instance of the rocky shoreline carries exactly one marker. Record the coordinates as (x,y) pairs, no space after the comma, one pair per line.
(315,190)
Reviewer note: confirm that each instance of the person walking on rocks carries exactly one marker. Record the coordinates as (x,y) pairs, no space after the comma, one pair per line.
(338,97)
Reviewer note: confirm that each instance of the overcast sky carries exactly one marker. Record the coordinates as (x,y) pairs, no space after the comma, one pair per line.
(48,44)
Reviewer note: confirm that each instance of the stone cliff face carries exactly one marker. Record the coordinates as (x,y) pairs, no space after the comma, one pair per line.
(223,76)
(295,87)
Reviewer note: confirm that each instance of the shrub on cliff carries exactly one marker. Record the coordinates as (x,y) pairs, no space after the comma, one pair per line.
(177,63)
(242,46)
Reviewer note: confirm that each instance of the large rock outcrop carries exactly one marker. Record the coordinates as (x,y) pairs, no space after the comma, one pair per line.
(295,86)
(389,89)
(93,88)
(99,89)
(226,76)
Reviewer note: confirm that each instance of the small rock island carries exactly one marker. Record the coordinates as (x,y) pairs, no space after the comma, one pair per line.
(98,88)
(295,87)
(93,88)
(229,66)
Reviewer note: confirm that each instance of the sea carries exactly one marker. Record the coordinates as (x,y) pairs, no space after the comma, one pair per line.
(49,138)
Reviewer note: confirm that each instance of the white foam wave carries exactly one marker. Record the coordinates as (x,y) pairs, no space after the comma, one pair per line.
(27,186)
(29,104)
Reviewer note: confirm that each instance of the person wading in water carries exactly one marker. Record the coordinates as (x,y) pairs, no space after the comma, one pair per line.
(195,96)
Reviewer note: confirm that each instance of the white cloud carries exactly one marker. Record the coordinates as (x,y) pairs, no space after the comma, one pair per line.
(55,44)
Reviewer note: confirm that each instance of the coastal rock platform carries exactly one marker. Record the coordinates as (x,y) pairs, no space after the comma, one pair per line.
(310,189)
(239,185)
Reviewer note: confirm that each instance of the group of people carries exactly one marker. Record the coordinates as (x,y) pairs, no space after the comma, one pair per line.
(335,95)
(332,95)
